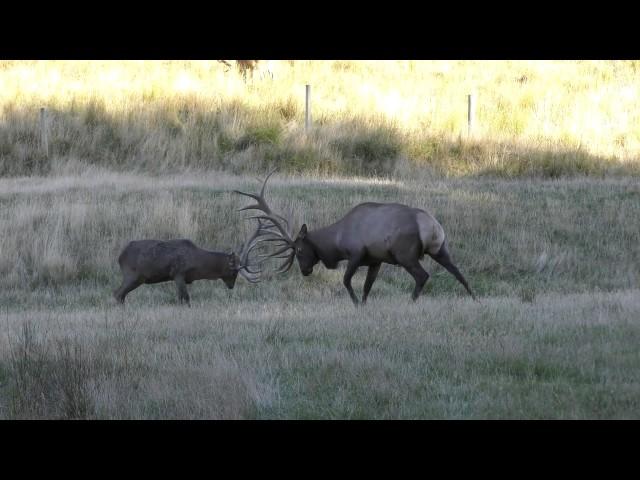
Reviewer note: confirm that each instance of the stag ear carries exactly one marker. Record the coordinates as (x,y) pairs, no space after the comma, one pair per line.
(303,232)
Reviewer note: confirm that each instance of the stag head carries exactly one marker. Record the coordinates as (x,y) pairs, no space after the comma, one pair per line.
(304,252)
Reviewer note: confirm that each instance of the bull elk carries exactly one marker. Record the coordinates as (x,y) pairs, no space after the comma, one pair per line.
(155,261)
(368,235)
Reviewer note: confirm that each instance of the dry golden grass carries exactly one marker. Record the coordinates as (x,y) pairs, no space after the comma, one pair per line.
(367,114)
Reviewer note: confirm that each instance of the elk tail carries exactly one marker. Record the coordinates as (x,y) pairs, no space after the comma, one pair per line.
(443,258)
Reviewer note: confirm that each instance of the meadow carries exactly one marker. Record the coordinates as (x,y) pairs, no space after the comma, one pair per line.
(542,222)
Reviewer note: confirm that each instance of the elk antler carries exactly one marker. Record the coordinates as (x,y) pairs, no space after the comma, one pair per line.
(252,242)
(276,221)
(261,203)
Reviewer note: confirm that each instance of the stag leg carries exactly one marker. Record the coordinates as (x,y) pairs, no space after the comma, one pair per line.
(183,294)
(372,273)
(352,266)
(443,258)
(419,274)
(128,284)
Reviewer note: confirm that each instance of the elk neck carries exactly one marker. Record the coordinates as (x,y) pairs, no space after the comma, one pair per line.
(325,245)
(212,265)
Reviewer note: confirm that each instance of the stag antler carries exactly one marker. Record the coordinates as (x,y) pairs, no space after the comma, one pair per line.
(252,242)
(262,203)
(281,235)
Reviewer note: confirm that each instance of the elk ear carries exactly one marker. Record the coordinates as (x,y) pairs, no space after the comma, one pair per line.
(303,232)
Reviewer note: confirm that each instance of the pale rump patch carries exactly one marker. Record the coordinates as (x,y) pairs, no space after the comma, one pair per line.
(431,233)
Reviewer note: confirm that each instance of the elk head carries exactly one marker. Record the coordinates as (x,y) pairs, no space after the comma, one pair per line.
(304,252)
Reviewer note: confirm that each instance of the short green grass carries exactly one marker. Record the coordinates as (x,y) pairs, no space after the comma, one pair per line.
(555,263)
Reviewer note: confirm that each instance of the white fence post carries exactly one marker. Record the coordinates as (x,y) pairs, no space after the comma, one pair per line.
(307,111)
(470,113)
(44,137)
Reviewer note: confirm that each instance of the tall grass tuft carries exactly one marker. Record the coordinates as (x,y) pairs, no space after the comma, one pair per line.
(49,379)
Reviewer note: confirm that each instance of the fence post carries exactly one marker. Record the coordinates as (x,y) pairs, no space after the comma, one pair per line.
(307,111)
(470,113)
(44,137)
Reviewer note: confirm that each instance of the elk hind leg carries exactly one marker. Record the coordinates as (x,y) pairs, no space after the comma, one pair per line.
(129,283)
(444,259)
(419,274)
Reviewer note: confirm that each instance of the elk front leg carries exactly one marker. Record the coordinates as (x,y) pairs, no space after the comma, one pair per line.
(183,294)
(352,266)
(372,273)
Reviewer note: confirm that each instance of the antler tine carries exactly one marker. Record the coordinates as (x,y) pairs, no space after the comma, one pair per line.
(277,252)
(260,236)
(252,195)
(265,181)
(283,232)
(272,225)
(248,207)
(252,272)
(252,242)
(273,239)
(249,278)
(255,241)
(258,244)
(287,264)
(283,219)
(261,205)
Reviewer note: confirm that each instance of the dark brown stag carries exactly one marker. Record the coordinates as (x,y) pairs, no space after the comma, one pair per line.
(181,261)
(369,235)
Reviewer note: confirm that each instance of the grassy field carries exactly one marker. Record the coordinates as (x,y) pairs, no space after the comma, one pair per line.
(541,206)
(555,263)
